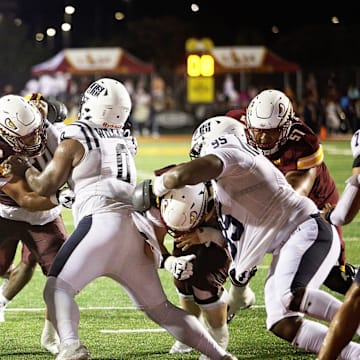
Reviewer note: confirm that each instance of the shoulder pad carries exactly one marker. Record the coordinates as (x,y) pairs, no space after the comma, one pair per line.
(72,131)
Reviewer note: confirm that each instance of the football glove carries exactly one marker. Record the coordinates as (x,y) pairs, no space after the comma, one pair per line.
(243,278)
(180,267)
(66,198)
(131,142)
(159,188)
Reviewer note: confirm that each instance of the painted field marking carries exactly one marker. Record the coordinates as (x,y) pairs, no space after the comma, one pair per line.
(125,331)
(335,151)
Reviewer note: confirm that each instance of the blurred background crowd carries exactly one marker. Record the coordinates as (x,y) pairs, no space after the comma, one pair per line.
(321,44)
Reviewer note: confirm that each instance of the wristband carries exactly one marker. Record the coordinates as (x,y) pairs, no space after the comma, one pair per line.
(327,216)
(354,180)
(168,264)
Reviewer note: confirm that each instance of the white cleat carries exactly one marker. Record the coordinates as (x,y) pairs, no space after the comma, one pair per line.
(239,298)
(180,348)
(229,357)
(2,313)
(76,351)
(3,304)
(51,343)
(204,357)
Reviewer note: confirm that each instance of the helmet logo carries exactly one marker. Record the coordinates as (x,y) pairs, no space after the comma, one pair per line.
(281,110)
(193,216)
(95,89)
(10,124)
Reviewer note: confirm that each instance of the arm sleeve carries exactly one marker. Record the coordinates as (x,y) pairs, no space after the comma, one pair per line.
(338,216)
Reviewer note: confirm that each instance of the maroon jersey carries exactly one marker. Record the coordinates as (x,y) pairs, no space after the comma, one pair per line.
(303,151)
(238,114)
(5,152)
(40,242)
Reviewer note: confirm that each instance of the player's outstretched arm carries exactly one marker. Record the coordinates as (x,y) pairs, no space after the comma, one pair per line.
(192,172)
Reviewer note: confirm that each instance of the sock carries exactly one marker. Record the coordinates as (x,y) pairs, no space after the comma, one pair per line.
(310,336)
(319,304)
(220,335)
(3,300)
(49,328)
(351,351)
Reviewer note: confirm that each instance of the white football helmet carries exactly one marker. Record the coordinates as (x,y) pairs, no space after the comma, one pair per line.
(212,128)
(268,118)
(22,126)
(185,208)
(106,103)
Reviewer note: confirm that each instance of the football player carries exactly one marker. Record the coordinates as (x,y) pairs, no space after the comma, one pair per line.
(347,320)
(24,215)
(239,296)
(261,213)
(93,157)
(297,152)
(200,268)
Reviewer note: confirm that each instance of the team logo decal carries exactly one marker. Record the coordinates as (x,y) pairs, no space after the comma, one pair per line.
(9,123)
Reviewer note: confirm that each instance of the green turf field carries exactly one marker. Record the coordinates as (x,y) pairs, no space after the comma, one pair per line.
(112,329)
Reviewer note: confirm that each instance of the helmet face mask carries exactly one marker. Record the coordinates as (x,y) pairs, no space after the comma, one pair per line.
(212,128)
(106,103)
(268,118)
(265,139)
(182,210)
(22,126)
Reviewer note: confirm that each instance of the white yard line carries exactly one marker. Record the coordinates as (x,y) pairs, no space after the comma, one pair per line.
(124,331)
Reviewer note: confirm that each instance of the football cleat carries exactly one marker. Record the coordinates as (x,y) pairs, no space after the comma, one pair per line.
(3,304)
(204,357)
(229,357)
(180,348)
(75,351)
(2,313)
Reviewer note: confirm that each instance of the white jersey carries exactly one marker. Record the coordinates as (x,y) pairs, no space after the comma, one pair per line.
(105,178)
(257,208)
(35,217)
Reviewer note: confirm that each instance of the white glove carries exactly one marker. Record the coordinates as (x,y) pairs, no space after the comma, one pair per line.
(159,188)
(180,267)
(66,198)
(132,145)
(243,278)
